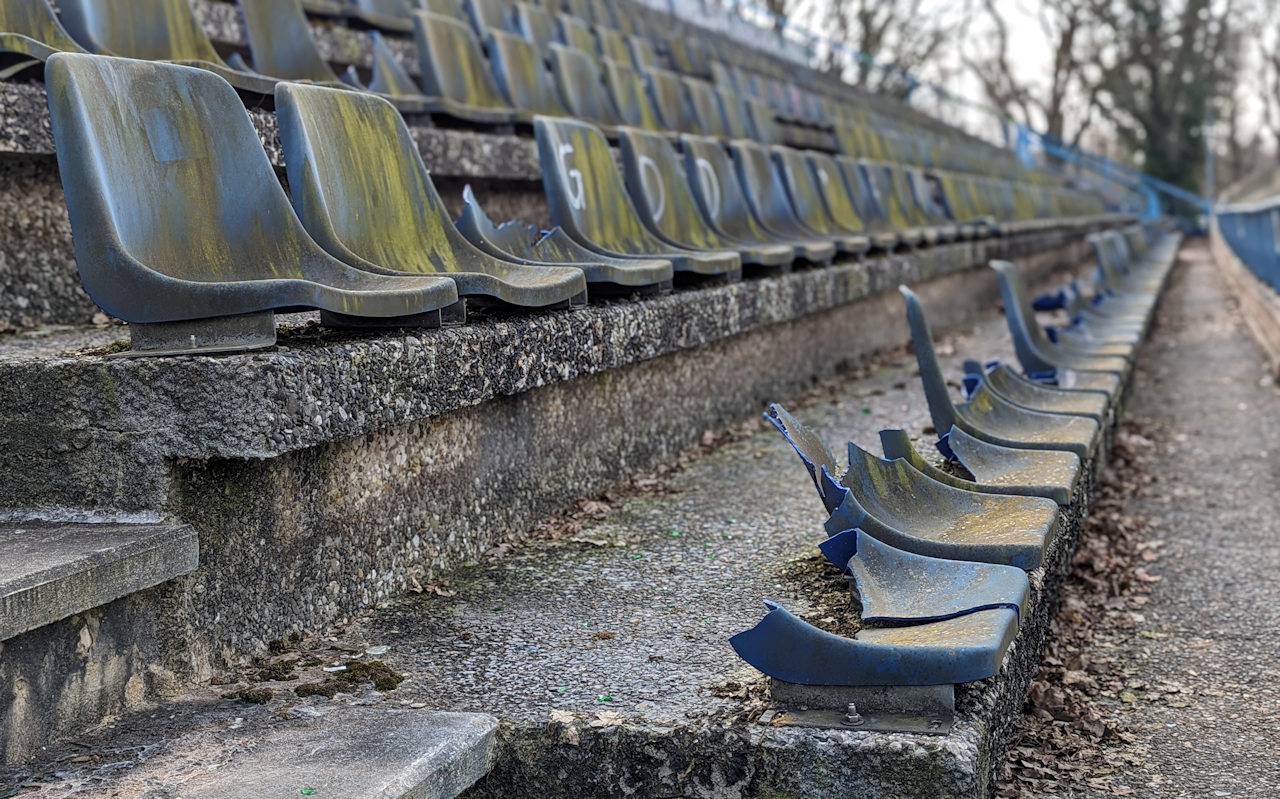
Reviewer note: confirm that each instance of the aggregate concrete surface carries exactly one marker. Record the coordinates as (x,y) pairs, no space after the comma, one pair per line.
(1203,396)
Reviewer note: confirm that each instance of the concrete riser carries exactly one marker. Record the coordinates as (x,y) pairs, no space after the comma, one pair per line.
(311,537)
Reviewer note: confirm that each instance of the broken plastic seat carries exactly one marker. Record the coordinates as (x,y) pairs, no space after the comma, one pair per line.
(802,185)
(895,586)
(986,415)
(715,185)
(30,33)
(587,199)
(577,76)
(1029,473)
(522,77)
(1037,355)
(1034,396)
(948,652)
(455,71)
(153,30)
(181,227)
(526,244)
(767,196)
(361,189)
(662,197)
(906,509)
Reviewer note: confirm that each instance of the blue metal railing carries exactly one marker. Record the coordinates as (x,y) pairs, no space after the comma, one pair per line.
(1253,233)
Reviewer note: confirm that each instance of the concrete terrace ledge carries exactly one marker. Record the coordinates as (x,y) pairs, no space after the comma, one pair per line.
(50,572)
(341,470)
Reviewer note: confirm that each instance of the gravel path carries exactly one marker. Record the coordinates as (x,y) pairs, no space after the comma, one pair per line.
(1204,658)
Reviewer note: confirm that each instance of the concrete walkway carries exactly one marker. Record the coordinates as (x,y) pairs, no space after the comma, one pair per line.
(1205,659)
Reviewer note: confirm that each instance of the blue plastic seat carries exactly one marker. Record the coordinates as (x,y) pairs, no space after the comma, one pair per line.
(360,187)
(180,225)
(996,470)
(30,33)
(577,76)
(522,77)
(664,201)
(987,416)
(153,30)
(455,70)
(587,199)
(725,206)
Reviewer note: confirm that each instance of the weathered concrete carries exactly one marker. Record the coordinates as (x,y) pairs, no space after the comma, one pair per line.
(337,472)
(358,754)
(52,571)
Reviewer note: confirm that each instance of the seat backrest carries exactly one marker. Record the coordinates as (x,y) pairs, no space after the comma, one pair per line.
(35,19)
(448,8)
(658,188)
(642,55)
(537,25)
(521,75)
(281,43)
(453,65)
(152,30)
(164,173)
(761,122)
(802,187)
(716,188)
(490,15)
(668,97)
(603,14)
(577,76)
(612,45)
(574,32)
(359,184)
(629,94)
(762,186)
(704,107)
(585,191)
(578,8)
(835,191)
(735,115)
(389,77)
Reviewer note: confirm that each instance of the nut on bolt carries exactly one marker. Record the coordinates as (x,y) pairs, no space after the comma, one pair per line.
(853,718)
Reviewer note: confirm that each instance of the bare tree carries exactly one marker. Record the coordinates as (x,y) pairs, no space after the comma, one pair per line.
(1028,99)
(893,38)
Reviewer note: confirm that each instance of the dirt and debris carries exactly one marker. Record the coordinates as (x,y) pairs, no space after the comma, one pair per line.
(349,680)
(1073,737)
(825,588)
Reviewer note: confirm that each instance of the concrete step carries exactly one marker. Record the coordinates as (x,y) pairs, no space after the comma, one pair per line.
(358,753)
(52,571)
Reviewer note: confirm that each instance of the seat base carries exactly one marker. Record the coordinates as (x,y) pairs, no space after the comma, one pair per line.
(238,333)
(919,709)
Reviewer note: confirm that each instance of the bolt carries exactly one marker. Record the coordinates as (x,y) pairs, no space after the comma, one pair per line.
(853,718)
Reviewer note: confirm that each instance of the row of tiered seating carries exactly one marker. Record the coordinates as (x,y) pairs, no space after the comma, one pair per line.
(158,159)
(939,557)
